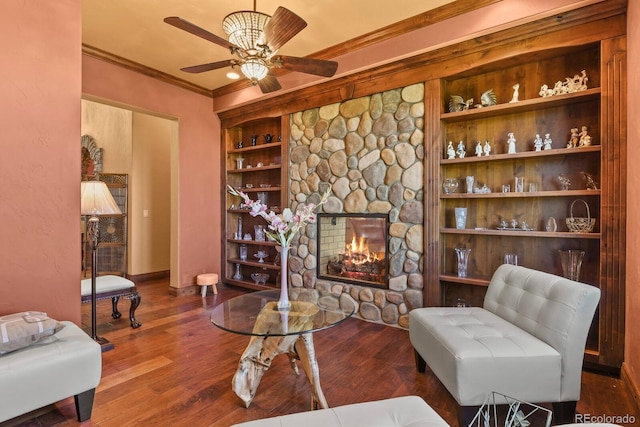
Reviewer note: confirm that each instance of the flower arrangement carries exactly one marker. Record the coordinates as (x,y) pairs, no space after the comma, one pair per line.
(284,226)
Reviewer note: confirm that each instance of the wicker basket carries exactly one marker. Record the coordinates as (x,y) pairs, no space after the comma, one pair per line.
(580,225)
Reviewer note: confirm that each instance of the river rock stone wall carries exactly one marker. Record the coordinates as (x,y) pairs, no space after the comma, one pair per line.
(370,151)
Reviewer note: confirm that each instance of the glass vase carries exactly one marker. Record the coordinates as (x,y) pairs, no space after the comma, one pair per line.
(571,262)
(463,259)
(283,302)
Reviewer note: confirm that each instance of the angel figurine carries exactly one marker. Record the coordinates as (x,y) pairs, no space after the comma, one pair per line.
(585,139)
(537,142)
(462,150)
(511,141)
(547,141)
(574,139)
(451,153)
(487,148)
(479,149)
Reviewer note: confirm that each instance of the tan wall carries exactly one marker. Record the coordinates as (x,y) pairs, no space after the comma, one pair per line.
(150,237)
(111,129)
(40,266)
(632,332)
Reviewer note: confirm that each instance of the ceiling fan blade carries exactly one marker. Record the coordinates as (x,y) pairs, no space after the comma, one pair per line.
(281,28)
(318,67)
(187,26)
(210,66)
(269,84)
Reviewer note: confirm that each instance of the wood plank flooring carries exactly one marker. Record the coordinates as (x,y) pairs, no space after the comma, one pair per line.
(176,370)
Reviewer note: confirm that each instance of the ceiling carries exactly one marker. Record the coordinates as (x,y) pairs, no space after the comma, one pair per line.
(134,29)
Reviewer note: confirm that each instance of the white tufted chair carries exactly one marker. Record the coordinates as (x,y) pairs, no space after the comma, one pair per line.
(527,341)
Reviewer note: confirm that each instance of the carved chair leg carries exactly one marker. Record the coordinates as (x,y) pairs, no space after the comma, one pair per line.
(564,412)
(114,312)
(84,404)
(135,302)
(421,365)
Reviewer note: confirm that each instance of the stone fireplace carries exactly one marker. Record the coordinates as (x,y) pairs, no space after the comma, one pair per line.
(352,248)
(370,152)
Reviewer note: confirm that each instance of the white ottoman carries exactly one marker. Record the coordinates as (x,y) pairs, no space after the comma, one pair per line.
(205,280)
(406,411)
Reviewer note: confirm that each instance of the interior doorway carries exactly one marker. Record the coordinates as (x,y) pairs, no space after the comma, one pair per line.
(142,145)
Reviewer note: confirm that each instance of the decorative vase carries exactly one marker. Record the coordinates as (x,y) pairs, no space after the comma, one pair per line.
(571,261)
(463,259)
(283,302)
(450,185)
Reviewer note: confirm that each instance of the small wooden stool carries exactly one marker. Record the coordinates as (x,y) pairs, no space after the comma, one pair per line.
(205,280)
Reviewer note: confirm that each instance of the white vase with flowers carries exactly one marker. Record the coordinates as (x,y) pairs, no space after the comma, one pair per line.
(281,229)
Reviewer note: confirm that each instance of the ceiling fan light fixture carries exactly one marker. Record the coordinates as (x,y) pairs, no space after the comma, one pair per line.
(254,69)
(244,28)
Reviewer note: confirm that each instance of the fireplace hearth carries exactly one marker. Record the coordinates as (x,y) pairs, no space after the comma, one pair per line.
(352,248)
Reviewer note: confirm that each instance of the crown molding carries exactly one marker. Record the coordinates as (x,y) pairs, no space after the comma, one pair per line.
(142,69)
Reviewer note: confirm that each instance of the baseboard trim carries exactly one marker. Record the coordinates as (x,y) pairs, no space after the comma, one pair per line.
(184,291)
(156,275)
(633,388)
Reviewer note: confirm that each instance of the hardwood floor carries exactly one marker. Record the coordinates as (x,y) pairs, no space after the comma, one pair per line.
(176,370)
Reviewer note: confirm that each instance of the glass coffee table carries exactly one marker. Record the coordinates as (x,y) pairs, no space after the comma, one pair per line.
(276,332)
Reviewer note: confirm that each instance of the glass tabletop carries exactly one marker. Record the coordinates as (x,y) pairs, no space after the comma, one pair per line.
(256,313)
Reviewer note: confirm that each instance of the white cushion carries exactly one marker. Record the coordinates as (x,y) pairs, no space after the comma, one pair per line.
(400,411)
(107,283)
(473,352)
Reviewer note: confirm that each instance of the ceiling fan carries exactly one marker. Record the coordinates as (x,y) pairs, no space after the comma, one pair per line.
(255,38)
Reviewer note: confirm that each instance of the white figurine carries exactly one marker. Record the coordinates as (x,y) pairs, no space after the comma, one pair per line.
(547,141)
(451,153)
(537,142)
(516,94)
(487,148)
(511,143)
(479,149)
(462,150)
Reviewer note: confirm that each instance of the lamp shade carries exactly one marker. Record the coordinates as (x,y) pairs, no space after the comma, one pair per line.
(96,199)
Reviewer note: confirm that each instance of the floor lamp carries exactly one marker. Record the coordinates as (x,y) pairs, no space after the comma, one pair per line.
(96,200)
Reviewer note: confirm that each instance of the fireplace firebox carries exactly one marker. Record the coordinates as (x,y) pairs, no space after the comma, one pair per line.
(352,248)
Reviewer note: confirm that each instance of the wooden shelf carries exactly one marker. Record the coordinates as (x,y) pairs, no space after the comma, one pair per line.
(253,242)
(249,284)
(255,169)
(474,281)
(524,155)
(258,147)
(268,265)
(513,194)
(522,106)
(522,233)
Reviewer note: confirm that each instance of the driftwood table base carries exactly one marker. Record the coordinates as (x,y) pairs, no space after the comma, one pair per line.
(270,340)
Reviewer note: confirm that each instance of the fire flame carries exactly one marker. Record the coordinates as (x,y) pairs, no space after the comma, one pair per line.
(358,252)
